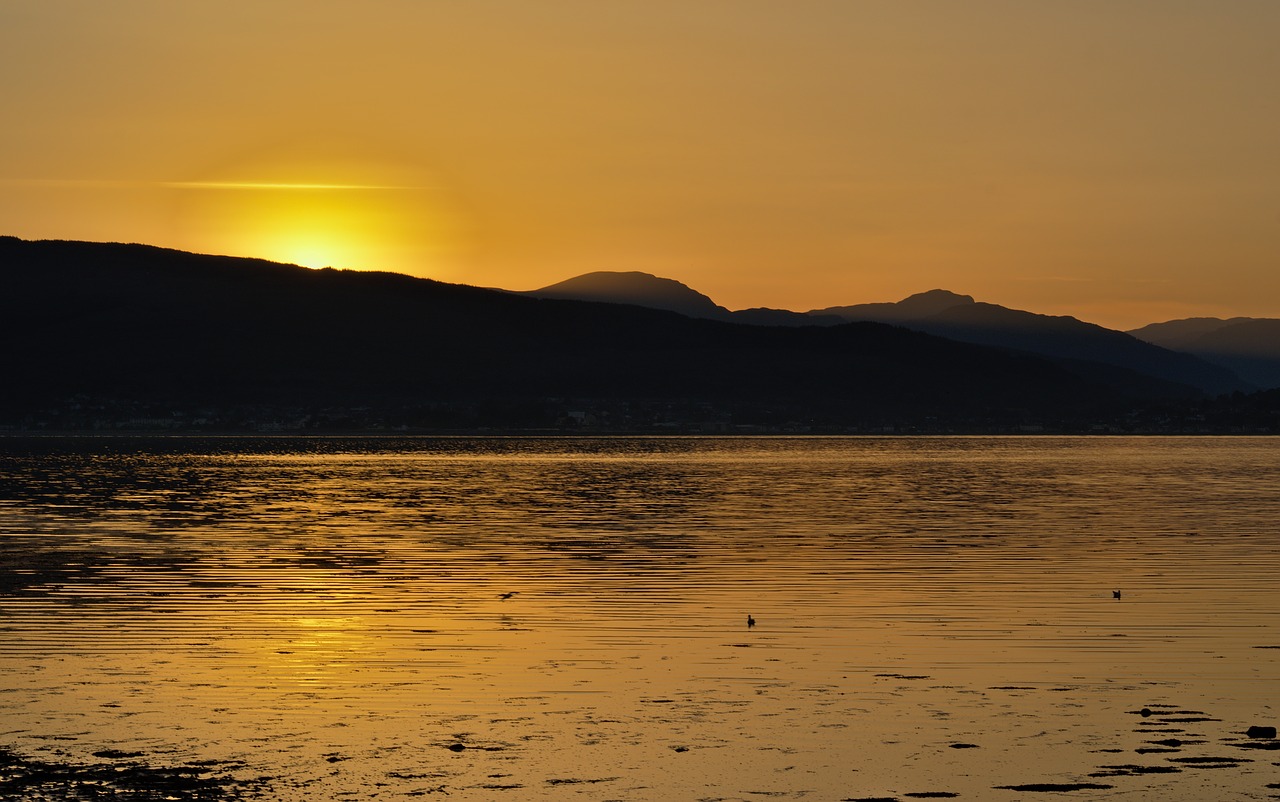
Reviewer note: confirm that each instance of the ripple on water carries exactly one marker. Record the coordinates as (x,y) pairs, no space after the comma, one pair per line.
(330,613)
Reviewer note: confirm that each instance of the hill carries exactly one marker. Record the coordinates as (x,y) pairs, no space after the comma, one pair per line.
(96,331)
(916,307)
(639,289)
(1248,346)
(647,290)
(1085,348)
(960,317)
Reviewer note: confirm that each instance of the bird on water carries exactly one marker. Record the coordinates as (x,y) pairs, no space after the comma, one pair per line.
(751,622)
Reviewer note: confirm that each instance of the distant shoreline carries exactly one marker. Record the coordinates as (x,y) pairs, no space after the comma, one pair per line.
(567,434)
(131,339)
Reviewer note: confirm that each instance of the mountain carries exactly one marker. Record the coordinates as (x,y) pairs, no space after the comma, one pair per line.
(916,307)
(120,332)
(1181,334)
(644,289)
(1083,347)
(960,317)
(636,288)
(1249,346)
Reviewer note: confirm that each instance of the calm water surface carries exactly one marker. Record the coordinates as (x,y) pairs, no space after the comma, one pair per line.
(328,614)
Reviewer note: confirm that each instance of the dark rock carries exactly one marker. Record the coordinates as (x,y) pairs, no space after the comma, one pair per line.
(1189,720)
(1054,787)
(1271,745)
(29,778)
(1131,770)
(1209,760)
(1261,732)
(964,746)
(457,747)
(116,754)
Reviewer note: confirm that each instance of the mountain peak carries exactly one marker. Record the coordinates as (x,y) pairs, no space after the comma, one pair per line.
(636,288)
(933,301)
(913,307)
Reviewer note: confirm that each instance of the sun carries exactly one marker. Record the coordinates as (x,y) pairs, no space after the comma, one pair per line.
(330,227)
(324,214)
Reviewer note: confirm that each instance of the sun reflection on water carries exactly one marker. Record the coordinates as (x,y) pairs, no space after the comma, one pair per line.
(339,620)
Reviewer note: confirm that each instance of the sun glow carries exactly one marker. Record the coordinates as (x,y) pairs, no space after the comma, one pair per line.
(320,227)
(322,211)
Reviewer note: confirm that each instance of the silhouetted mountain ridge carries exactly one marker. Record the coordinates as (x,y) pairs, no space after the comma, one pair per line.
(959,317)
(1248,346)
(913,307)
(636,288)
(939,312)
(645,289)
(1069,338)
(89,324)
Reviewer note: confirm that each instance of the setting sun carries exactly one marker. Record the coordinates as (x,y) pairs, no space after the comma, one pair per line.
(319,206)
(322,225)
(313,227)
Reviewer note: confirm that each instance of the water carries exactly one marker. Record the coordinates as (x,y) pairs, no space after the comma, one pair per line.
(325,616)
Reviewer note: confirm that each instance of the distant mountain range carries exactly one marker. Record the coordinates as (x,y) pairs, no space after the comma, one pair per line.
(1247,345)
(960,317)
(643,289)
(109,335)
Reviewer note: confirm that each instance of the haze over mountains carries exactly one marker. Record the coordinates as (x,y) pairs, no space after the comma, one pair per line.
(1249,346)
(109,335)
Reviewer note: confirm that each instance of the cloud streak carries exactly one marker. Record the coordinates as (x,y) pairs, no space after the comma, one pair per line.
(83,183)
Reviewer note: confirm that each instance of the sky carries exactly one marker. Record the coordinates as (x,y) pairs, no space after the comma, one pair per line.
(1115,160)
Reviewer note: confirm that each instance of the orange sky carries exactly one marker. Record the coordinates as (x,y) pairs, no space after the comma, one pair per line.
(1114,159)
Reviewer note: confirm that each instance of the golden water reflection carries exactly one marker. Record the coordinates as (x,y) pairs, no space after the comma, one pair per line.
(331,613)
